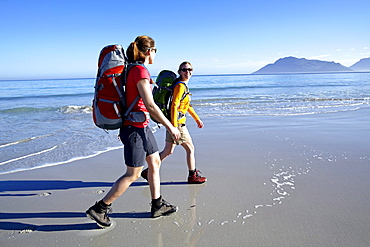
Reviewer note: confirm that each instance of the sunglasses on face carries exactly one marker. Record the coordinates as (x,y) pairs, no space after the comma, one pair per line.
(153,49)
(186,69)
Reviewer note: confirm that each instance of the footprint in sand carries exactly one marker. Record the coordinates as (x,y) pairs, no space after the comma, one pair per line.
(95,192)
(29,229)
(45,194)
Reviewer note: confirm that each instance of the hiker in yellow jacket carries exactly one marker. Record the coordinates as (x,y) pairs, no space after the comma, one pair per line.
(179,107)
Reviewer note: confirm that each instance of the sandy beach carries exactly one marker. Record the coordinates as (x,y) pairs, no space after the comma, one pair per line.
(272,181)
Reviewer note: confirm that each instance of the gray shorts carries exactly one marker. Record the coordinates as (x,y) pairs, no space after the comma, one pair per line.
(138,143)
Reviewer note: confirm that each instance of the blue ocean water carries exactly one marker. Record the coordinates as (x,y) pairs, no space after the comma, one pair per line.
(48,122)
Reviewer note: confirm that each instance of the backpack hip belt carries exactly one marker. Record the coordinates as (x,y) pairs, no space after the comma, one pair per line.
(138,117)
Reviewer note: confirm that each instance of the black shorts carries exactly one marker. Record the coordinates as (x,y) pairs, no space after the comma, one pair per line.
(138,143)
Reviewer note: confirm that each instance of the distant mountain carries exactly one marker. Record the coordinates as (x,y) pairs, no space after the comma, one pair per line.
(301,65)
(362,65)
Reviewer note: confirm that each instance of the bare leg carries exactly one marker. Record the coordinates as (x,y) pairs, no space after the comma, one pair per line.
(154,180)
(121,185)
(190,155)
(168,150)
(194,177)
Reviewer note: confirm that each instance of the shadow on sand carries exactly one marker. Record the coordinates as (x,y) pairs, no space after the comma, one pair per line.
(49,185)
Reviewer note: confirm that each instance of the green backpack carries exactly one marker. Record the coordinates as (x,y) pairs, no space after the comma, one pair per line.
(163,92)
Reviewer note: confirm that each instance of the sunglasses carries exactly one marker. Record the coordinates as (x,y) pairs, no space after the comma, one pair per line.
(153,49)
(186,69)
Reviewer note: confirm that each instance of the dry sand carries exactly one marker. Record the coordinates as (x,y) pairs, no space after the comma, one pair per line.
(272,181)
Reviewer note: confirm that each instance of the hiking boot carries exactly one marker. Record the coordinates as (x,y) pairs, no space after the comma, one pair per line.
(195,178)
(100,215)
(165,208)
(144,174)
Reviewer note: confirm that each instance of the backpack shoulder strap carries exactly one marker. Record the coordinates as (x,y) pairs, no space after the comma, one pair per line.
(186,91)
(129,66)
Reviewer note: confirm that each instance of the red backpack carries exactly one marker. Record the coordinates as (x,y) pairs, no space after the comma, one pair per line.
(109,104)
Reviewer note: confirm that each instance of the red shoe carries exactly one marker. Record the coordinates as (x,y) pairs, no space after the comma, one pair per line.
(144,174)
(196,178)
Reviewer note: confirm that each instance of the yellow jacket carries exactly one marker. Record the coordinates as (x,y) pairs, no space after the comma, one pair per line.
(181,106)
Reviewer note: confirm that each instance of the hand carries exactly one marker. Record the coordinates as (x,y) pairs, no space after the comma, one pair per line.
(200,124)
(175,133)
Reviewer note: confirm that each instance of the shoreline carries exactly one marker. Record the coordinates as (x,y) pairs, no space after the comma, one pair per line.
(272,181)
(236,118)
(61,162)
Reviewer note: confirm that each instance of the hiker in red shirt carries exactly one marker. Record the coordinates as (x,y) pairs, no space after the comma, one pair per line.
(137,138)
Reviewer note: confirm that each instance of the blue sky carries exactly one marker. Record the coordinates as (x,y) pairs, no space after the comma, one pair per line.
(62,38)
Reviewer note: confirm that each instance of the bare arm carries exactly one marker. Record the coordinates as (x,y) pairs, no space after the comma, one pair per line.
(146,93)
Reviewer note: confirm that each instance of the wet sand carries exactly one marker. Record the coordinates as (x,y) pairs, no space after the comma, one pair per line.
(272,181)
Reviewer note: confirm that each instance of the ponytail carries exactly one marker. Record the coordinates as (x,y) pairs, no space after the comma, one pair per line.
(137,49)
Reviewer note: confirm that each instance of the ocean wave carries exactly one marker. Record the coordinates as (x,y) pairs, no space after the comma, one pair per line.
(278,105)
(232,100)
(25,140)
(276,113)
(28,109)
(45,96)
(270,100)
(75,109)
(29,155)
(53,163)
(71,109)
(281,107)
(224,87)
